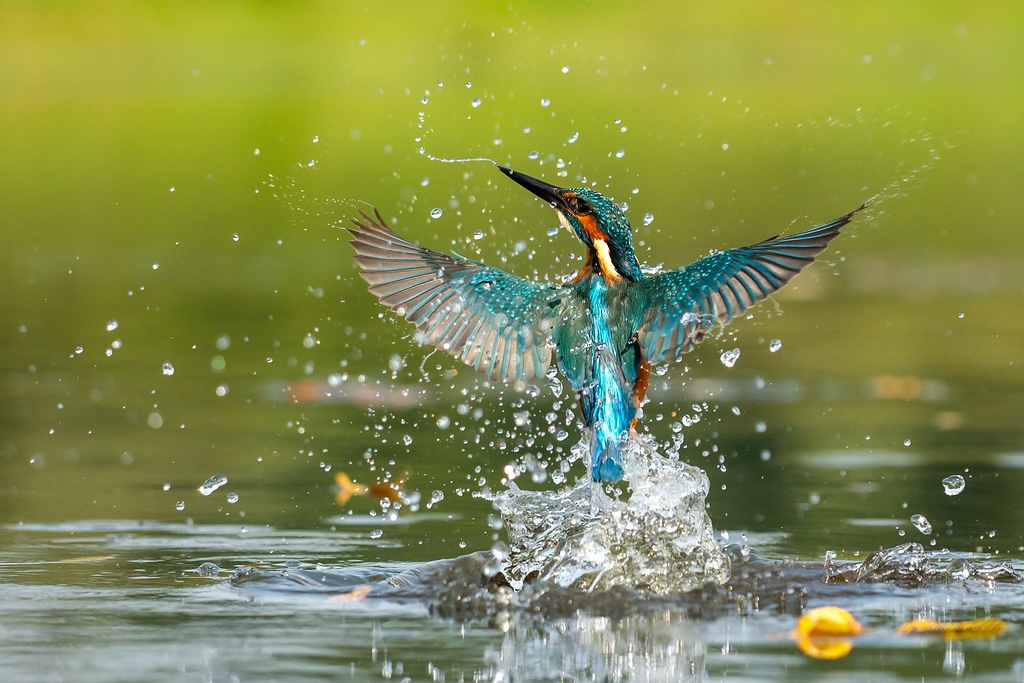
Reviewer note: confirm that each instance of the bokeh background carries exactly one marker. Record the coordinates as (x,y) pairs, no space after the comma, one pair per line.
(184,171)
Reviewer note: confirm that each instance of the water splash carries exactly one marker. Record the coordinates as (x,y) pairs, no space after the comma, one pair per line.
(459,160)
(909,564)
(660,540)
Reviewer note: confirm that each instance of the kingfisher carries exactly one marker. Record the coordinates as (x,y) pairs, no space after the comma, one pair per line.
(603,329)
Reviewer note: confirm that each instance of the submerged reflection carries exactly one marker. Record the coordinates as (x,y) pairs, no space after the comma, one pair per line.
(664,647)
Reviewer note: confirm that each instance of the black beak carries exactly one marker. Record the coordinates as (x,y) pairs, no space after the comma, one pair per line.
(548,193)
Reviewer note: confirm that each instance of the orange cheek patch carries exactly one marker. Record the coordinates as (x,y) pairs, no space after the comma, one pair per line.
(589,224)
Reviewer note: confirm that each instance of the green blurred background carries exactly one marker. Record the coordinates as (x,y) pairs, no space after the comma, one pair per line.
(184,169)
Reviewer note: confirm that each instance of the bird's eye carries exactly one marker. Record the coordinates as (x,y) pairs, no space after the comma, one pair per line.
(582,206)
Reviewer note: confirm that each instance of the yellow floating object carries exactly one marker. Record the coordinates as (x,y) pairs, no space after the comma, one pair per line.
(392,490)
(346,488)
(827,621)
(825,648)
(989,627)
(823,632)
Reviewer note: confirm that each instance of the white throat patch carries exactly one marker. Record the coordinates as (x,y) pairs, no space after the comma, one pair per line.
(565,222)
(604,258)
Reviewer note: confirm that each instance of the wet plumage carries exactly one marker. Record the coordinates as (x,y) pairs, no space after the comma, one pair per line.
(603,330)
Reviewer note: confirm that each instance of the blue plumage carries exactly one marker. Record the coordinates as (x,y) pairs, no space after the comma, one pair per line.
(605,329)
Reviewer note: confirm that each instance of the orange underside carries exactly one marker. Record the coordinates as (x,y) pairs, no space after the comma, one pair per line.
(643,378)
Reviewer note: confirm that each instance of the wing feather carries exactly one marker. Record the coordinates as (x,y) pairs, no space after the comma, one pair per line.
(497,322)
(683,304)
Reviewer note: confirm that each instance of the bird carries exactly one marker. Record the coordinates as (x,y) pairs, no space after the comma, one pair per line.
(603,329)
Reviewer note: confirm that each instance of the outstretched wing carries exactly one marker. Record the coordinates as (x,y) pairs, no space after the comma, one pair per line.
(683,304)
(496,322)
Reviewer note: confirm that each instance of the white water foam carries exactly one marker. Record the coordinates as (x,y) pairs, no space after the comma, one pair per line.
(659,540)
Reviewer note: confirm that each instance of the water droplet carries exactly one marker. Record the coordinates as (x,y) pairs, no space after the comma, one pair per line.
(212,484)
(725,146)
(906,442)
(443,422)
(234,237)
(256,152)
(111,326)
(376,533)
(407,440)
(232,498)
(766,455)
(223,342)
(155,420)
(436,213)
(396,363)
(469,84)
(208,569)
(478,235)
(533,155)
(648,218)
(221,390)
(574,137)
(545,102)
(922,524)
(730,357)
(435,498)
(167,486)
(179,506)
(775,345)
(760,427)
(553,231)
(735,410)
(621,153)
(476,102)
(168,368)
(565,69)
(954,485)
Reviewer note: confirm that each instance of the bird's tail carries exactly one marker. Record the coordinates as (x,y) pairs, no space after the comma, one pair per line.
(607,450)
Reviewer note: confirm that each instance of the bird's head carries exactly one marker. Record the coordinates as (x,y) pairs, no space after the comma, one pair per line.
(596,220)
